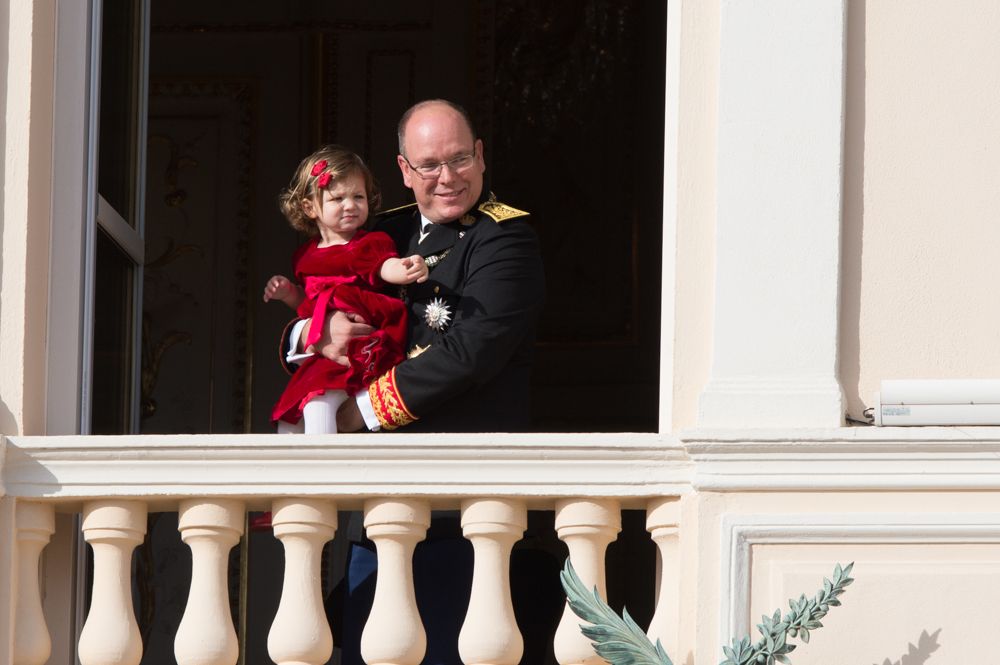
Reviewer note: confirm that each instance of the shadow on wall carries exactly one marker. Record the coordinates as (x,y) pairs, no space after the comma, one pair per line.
(919,654)
(852,229)
(8,424)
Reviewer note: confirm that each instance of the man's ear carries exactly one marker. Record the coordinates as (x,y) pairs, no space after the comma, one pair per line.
(309,208)
(404,168)
(481,156)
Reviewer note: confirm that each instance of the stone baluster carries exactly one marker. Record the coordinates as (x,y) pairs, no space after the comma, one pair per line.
(110,635)
(490,635)
(394,634)
(36,522)
(206,635)
(300,634)
(587,527)
(662,518)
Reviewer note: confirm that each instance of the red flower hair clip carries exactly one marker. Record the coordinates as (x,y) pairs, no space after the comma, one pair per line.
(318,168)
(323,181)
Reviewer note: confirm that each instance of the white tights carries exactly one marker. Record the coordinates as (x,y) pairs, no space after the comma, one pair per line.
(319,415)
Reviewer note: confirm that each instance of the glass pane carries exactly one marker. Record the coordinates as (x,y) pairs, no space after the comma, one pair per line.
(120,72)
(111,403)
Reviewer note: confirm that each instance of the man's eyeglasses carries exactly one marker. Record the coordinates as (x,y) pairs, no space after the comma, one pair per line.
(456,164)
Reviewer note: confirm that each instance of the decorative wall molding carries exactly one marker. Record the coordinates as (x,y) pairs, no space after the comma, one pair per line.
(844,458)
(739,533)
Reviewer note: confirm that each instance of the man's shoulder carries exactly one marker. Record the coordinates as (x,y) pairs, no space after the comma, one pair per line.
(398,223)
(498,211)
(403,212)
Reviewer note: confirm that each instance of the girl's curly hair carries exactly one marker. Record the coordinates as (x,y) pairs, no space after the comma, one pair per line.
(340,162)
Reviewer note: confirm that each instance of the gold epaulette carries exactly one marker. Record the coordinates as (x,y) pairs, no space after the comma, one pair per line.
(388,404)
(500,212)
(383,213)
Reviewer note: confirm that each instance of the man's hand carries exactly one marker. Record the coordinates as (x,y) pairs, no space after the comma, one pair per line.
(349,417)
(340,329)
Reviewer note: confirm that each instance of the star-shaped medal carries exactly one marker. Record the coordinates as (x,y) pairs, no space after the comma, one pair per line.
(437,315)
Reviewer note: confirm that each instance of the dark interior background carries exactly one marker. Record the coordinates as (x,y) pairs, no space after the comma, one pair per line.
(568,98)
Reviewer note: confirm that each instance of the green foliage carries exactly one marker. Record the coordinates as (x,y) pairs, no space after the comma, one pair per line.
(621,642)
(805,615)
(616,639)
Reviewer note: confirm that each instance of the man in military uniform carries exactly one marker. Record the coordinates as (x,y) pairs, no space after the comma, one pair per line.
(472,323)
(471,333)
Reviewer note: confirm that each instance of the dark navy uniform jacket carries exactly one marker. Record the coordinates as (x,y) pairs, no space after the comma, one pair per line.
(471,325)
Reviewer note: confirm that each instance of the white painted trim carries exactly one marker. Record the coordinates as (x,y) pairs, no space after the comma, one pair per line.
(739,533)
(90,223)
(70,218)
(848,458)
(780,156)
(142,109)
(671,187)
(352,466)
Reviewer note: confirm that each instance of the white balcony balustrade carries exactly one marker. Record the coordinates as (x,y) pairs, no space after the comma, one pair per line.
(587,527)
(711,498)
(300,634)
(492,483)
(35,524)
(490,635)
(394,634)
(111,636)
(211,528)
(662,522)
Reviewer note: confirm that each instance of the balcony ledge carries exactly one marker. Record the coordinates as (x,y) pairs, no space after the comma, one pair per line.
(535,467)
(347,467)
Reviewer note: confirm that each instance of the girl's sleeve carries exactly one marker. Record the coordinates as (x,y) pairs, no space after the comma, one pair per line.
(372,251)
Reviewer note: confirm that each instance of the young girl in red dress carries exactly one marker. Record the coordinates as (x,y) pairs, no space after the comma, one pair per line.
(341,267)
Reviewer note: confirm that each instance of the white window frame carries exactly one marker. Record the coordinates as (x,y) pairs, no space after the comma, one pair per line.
(77,212)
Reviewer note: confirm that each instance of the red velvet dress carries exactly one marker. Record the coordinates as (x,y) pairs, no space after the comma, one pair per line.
(346,278)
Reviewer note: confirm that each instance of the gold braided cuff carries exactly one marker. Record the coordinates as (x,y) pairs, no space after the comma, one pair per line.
(388,404)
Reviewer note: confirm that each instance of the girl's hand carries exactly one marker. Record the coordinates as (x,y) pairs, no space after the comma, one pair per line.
(281,288)
(278,288)
(416,268)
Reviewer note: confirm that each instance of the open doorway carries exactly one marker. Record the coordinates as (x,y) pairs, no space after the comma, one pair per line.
(569,102)
(568,99)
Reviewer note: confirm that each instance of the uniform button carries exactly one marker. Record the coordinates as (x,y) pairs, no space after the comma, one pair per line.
(437,289)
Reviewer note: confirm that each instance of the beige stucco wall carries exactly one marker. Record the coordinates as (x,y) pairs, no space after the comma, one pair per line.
(921,163)
(921,231)
(906,583)
(24,230)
